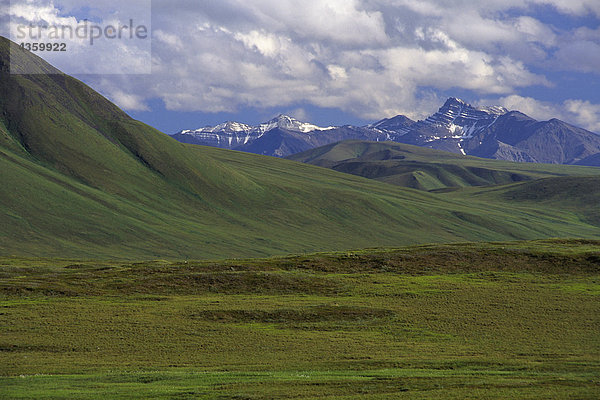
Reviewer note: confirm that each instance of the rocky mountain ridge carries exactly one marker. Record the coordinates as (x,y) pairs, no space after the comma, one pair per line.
(458,127)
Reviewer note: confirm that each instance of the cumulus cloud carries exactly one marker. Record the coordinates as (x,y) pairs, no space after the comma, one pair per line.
(372,58)
(579,51)
(300,114)
(95,39)
(342,54)
(434,7)
(574,7)
(532,107)
(585,113)
(128,101)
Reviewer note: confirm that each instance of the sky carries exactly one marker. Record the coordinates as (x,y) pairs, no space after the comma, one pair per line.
(331,62)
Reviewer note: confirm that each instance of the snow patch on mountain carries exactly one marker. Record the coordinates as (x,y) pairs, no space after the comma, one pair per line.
(290,124)
(238,133)
(461,120)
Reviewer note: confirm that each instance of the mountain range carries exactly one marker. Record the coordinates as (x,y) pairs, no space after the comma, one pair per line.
(279,137)
(82,179)
(488,132)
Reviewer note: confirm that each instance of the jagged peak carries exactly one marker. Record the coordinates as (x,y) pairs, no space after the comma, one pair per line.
(284,117)
(455,100)
(396,122)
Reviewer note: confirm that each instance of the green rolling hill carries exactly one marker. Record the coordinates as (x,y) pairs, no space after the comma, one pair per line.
(82,179)
(577,195)
(427,169)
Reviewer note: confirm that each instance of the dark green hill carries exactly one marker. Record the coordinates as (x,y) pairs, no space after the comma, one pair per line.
(427,169)
(579,196)
(82,179)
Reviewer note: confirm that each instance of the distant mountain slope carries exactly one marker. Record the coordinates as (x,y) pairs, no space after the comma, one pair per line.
(517,137)
(593,160)
(82,179)
(457,127)
(282,142)
(393,126)
(427,169)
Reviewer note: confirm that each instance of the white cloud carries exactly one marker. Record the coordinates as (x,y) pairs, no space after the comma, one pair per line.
(169,39)
(535,31)
(438,8)
(95,41)
(340,54)
(373,58)
(127,101)
(583,56)
(585,113)
(574,7)
(338,21)
(337,72)
(267,44)
(287,54)
(530,106)
(300,114)
(579,51)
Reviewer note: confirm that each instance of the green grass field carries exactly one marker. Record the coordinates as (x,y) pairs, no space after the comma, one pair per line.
(490,320)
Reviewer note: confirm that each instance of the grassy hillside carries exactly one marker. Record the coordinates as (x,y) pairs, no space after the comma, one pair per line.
(490,320)
(88,181)
(579,196)
(427,169)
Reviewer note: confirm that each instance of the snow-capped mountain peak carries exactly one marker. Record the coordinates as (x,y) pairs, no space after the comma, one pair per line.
(227,134)
(462,119)
(291,124)
(493,110)
(233,134)
(229,126)
(460,113)
(233,127)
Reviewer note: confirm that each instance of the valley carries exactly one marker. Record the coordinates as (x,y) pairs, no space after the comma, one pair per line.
(134,266)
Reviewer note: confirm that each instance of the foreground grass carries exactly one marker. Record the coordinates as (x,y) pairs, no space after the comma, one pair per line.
(504,320)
